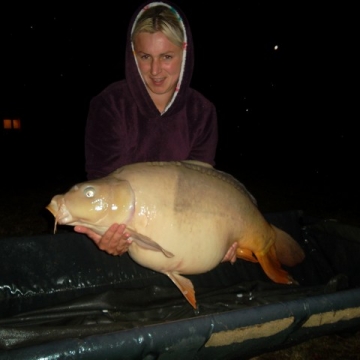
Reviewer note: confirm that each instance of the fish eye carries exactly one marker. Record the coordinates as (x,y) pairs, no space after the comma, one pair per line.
(89,191)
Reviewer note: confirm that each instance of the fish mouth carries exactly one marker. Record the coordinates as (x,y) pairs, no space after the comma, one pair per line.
(52,209)
(58,209)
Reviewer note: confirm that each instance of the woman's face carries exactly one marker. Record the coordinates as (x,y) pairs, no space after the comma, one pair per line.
(159,61)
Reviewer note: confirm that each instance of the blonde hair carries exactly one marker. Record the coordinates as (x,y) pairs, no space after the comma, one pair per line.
(160,18)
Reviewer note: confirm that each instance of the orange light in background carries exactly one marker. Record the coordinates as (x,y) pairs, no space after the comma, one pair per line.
(7,124)
(17,124)
(12,124)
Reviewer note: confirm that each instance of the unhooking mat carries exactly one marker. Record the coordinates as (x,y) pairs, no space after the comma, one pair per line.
(61,297)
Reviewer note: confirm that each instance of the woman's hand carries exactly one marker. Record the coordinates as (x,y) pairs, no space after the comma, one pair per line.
(115,241)
(231,254)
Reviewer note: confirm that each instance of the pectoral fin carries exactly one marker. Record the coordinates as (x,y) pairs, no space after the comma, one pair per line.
(146,243)
(185,286)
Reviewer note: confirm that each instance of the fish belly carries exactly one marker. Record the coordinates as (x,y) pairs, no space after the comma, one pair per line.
(197,247)
(196,216)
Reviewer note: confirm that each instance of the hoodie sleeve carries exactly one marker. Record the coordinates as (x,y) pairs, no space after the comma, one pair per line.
(105,143)
(206,139)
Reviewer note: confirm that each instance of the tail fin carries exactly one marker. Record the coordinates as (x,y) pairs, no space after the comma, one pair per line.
(288,251)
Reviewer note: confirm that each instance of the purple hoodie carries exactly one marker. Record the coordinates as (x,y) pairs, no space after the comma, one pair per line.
(124,126)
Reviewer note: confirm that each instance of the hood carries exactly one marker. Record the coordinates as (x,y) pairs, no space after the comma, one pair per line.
(134,79)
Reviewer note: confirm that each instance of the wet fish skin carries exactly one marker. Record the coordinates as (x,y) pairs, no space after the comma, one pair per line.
(182,217)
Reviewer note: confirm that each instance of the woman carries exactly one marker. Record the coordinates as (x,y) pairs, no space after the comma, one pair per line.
(153,114)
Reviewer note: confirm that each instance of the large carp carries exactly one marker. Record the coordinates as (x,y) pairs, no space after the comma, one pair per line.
(183,217)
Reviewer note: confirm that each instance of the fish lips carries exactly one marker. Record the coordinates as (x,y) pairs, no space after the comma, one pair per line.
(58,209)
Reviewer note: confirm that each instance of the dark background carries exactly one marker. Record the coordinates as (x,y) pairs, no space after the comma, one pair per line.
(286,117)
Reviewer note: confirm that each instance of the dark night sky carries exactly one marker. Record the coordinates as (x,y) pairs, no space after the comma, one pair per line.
(287,112)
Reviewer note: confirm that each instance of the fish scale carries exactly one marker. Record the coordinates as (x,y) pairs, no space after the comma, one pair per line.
(184,218)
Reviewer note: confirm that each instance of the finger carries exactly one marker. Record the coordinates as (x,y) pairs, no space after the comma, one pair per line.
(124,243)
(112,238)
(122,247)
(233,259)
(108,235)
(90,233)
(80,229)
(117,236)
(231,254)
